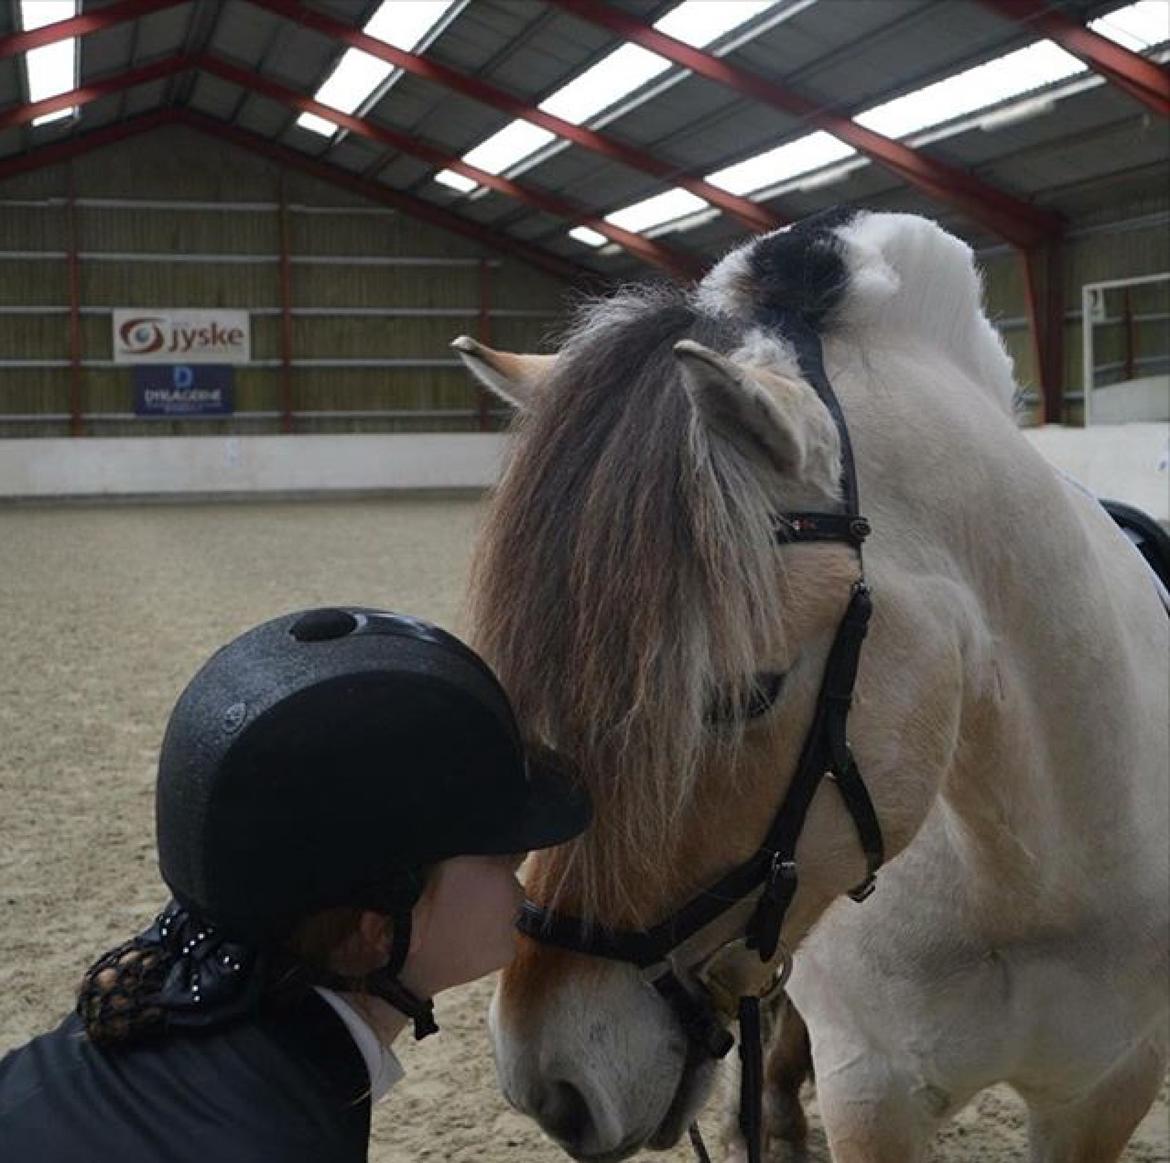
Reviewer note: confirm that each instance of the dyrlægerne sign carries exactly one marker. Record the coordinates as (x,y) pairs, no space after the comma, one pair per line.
(183,390)
(181,337)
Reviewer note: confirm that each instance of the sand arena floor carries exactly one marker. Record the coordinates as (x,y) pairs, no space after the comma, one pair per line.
(105,612)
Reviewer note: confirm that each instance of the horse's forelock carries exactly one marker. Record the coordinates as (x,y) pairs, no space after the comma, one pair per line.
(625,572)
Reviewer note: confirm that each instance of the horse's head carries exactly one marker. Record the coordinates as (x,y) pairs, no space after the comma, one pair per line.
(632,595)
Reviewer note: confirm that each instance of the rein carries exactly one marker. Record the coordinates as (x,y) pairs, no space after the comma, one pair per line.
(706,992)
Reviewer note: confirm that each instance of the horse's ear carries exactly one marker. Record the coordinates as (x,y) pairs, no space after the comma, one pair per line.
(516,379)
(732,400)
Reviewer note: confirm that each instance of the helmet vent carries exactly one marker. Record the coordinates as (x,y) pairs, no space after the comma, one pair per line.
(323,625)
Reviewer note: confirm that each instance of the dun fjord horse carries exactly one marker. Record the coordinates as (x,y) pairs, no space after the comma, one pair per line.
(1008,718)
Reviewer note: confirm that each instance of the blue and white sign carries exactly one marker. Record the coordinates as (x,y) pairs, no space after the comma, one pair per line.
(183,390)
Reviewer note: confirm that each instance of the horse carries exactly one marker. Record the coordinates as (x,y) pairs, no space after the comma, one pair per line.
(1009,714)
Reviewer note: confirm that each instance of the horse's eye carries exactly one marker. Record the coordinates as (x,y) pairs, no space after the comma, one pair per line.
(749,704)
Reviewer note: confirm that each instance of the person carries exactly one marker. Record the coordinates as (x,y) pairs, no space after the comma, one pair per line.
(343,798)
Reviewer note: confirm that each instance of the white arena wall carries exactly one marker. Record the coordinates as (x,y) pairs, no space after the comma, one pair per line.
(1123,462)
(174,466)
(1126,462)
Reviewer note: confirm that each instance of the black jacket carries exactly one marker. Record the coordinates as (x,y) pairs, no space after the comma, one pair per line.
(286,1087)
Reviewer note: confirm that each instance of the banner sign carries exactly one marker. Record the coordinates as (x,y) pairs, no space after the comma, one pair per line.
(181,336)
(183,390)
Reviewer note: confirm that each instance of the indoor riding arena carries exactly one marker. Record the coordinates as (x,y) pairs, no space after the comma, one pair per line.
(237,241)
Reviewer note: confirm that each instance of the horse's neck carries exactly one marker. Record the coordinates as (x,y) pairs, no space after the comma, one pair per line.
(1063,641)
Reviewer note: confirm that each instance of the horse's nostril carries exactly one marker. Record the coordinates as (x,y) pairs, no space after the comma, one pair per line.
(564,1113)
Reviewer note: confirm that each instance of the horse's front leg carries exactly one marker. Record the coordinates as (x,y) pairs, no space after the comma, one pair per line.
(1096,1125)
(871,1110)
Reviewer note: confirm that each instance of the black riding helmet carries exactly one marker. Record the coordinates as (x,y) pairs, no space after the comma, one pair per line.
(327,757)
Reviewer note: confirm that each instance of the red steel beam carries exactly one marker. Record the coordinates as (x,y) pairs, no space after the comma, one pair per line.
(83,25)
(680,265)
(377,192)
(1009,217)
(73,270)
(1044,288)
(750,214)
(22,114)
(286,324)
(1144,80)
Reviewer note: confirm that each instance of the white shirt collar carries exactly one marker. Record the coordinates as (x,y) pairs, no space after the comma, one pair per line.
(384,1068)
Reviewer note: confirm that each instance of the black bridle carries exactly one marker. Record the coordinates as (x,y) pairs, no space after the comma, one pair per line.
(698,996)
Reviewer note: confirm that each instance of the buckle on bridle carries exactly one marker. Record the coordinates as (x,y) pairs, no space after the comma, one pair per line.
(780,869)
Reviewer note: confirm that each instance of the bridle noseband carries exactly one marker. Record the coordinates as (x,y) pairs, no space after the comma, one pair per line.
(705,991)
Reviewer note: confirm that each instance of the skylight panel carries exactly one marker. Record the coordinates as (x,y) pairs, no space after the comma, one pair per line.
(317,124)
(516,140)
(455,181)
(784,161)
(405,23)
(653,211)
(624,70)
(52,68)
(587,236)
(1137,26)
(1013,75)
(401,23)
(357,75)
(697,22)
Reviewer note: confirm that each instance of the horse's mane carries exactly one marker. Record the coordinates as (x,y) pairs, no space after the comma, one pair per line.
(627,570)
(626,573)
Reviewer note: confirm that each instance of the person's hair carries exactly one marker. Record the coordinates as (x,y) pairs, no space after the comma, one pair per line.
(116,996)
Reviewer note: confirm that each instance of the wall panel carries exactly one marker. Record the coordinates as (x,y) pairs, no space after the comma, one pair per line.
(220,209)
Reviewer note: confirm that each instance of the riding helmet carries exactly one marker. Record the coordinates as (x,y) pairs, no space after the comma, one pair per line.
(327,757)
